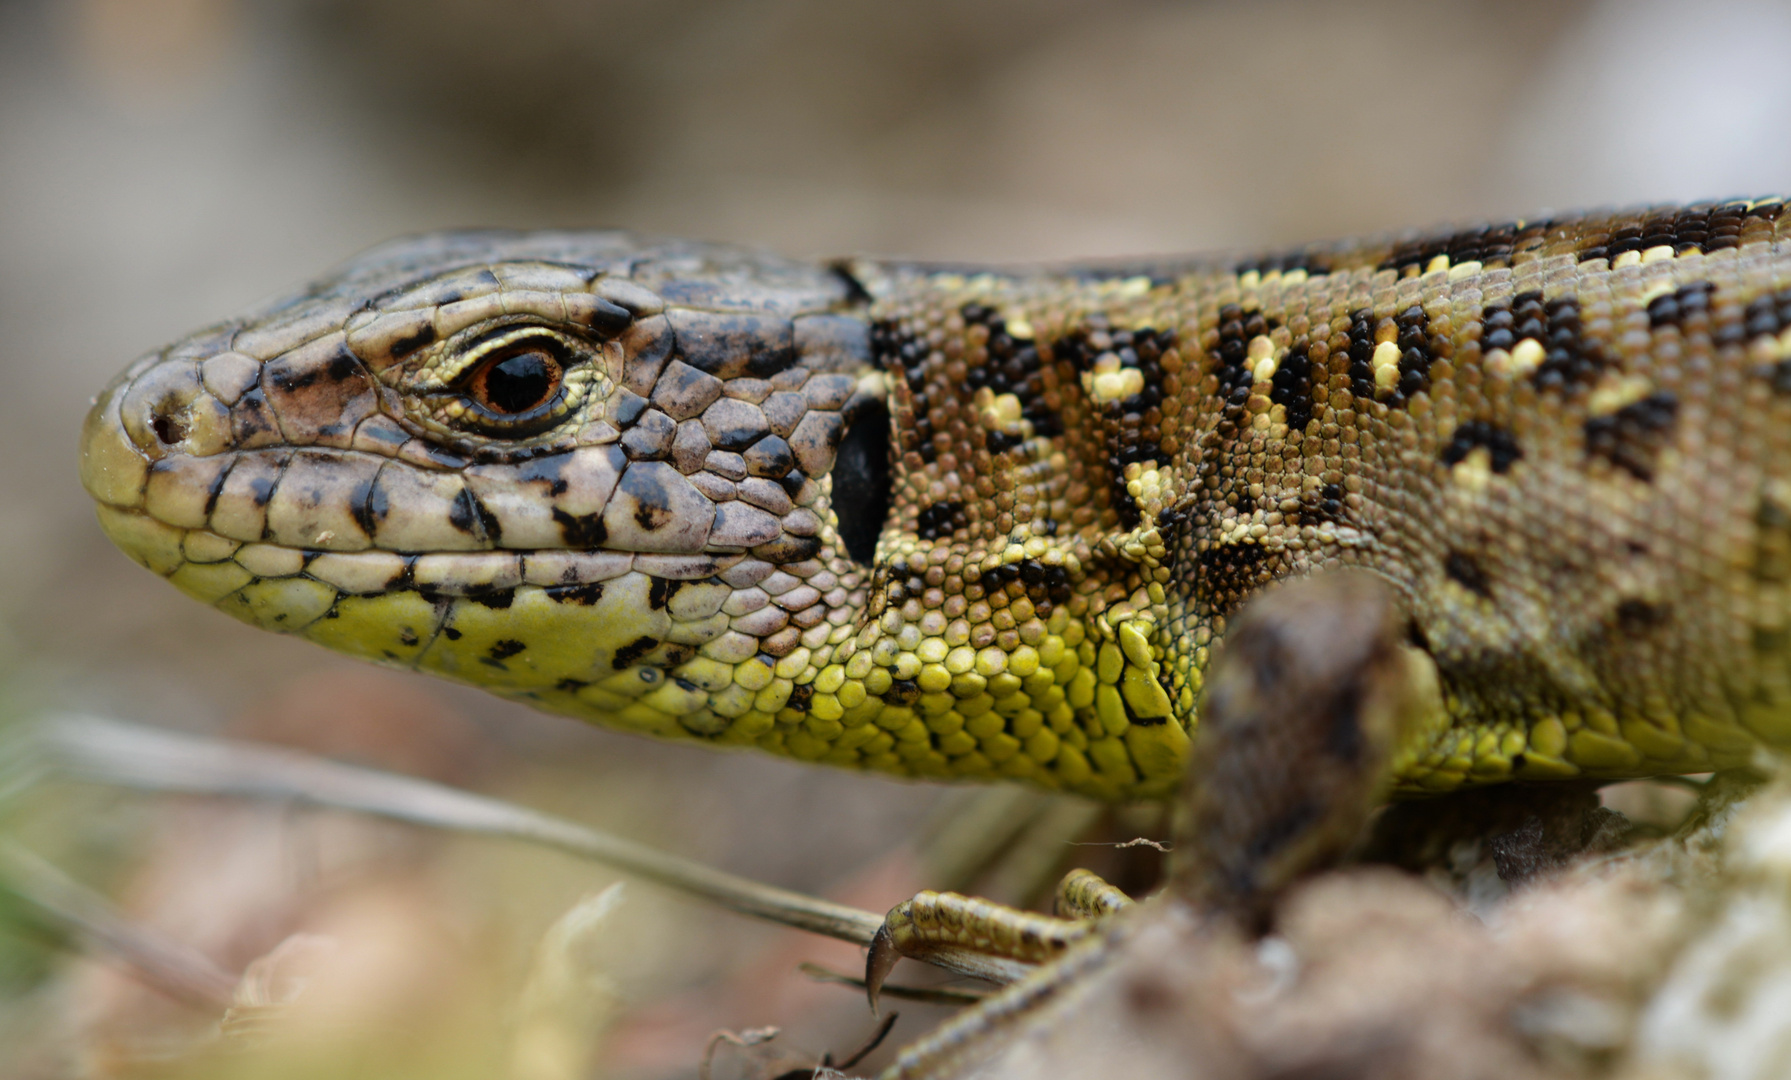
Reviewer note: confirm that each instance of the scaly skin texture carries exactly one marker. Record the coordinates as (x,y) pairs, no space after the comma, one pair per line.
(1566,445)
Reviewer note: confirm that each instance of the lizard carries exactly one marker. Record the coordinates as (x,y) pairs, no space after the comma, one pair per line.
(994,523)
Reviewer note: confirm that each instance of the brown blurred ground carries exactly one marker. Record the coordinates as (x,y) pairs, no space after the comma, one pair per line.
(164,162)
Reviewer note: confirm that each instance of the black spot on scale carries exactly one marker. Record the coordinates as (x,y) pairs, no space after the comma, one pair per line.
(1416,352)
(1361,354)
(1000,442)
(1129,439)
(1323,505)
(217,487)
(1501,445)
(902,692)
(788,549)
(369,505)
(628,655)
(1764,316)
(728,344)
(287,378)
(1698,227)
(423,336)
(1291,387)
(1309,260)
(1465,570)
(940,519)
(492,598)
(800,696)
(251,420)
(1569,358)
(1489,245)
(894,348)
(608,319)
(1013,366)
(549,470)
(1631,438)
(470,516)
(994,581)
(583,595)
(1043,583)
(1236,327)
(1226,574)
(500,652)
(1675,307)
(661,590)
(585,531)
(342,366)
(1333,493)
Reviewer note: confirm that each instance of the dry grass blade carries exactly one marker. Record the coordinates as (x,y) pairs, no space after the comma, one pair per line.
(71,908)
(132,755)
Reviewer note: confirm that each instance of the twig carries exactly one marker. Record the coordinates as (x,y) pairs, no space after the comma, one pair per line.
(1136,841)
(132,755)
(865,1048)
(167,965)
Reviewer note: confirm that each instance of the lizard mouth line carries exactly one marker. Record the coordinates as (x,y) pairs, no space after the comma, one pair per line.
(166,549)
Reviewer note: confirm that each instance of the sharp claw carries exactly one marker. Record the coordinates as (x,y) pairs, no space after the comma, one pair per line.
(879,963)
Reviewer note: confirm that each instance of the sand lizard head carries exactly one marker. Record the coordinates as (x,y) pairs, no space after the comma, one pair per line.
(681,489)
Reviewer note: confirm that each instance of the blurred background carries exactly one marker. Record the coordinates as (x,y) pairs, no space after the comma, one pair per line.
(164,163)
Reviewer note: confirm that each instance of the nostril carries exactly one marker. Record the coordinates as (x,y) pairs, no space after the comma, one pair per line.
(169,421)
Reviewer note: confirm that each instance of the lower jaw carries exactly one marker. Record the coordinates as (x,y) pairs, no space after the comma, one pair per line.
(636,642)
(588,634)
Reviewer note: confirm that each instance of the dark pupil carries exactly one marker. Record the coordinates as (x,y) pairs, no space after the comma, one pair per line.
(519,383)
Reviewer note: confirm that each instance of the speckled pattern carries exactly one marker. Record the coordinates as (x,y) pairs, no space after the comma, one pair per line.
(976,523)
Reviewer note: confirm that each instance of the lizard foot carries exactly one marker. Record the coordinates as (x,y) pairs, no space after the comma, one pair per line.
(984,939)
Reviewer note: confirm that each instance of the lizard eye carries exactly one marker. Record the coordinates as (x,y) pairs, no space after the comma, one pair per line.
(861,482)
(516,380)
(516,383)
